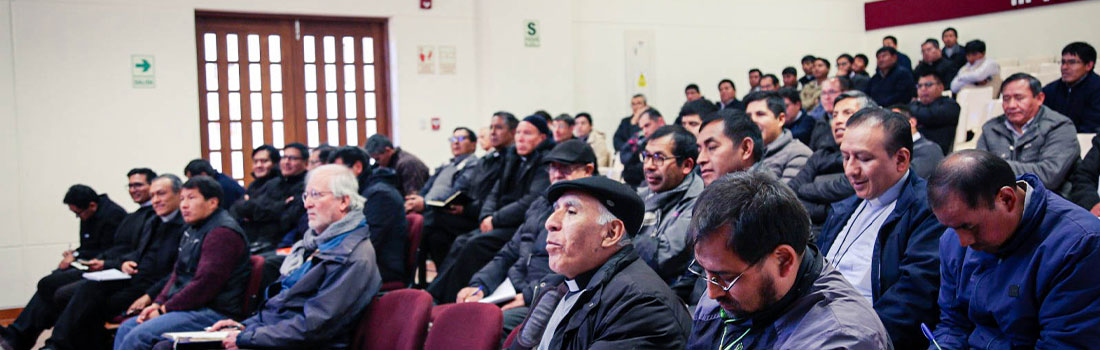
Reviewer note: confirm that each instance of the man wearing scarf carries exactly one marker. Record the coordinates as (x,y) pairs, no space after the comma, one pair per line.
(767,288)
(327,281)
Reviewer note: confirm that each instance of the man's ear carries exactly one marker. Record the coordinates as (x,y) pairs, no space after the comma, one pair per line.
(747,146)
(615,232)
(787,259)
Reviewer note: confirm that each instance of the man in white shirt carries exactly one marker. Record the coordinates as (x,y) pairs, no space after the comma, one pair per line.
(978,71)
(884,239)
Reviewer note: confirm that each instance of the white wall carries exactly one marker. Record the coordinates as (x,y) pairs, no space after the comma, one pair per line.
(69,115)
(1041,31)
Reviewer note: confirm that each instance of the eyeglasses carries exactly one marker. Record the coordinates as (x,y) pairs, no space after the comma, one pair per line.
(293,158)
(137,185)
(697,270)
(455,139)
(1071,62)
(314,194)
(657,158)
(926,85)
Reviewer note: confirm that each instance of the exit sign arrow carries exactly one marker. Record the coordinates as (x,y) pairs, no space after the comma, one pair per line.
(144,65)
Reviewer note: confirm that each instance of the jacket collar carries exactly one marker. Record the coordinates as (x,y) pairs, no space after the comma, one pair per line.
(593,279)
(1027,231)
(1002,126)
(780,142)
(905,198)
(808,271)
(689,188)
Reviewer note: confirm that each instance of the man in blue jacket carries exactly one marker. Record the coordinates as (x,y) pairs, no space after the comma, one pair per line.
(884,239)
(1019,262)
(327,281)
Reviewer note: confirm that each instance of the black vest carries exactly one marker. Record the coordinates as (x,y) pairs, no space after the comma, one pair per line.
(230,298)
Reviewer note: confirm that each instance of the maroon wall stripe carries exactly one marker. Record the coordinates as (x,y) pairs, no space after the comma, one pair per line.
(890,13)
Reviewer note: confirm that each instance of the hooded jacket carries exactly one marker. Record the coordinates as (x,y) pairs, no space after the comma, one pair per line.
(623,305)
(821,311)
(1048,148)
(321,308)
(662,241)
(904,266)
(1039,291)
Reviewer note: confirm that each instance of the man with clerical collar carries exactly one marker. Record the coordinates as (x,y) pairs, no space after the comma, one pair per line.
(767,288)
(883,239)
(605,296)
(1018,262)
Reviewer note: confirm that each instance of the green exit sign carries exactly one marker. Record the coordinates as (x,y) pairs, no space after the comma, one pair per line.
(143,71)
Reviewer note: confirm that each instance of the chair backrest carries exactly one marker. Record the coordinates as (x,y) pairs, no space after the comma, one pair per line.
(1085,140)
(466,326)
(416,225)
(973,106)
(397,320)
(252,294)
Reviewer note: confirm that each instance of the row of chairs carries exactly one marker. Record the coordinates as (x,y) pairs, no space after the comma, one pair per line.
(405,320)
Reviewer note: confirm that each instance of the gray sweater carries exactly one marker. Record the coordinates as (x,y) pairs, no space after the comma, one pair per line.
(785,156)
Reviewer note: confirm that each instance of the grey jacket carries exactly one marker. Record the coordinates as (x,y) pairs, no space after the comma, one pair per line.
(828,314)
(1048,148)
(785,156)
(321,309)
(662,241)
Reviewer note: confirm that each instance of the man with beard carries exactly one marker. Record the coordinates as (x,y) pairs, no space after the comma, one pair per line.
(766,287)
(671,189)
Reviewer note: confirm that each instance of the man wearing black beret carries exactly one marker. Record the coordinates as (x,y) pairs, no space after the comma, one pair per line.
(604,295)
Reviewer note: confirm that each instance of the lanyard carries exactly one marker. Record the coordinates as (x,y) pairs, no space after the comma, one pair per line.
(725,328)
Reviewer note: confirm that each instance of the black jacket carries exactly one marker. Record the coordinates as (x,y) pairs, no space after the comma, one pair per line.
(937,121)
(524,259)
(254,188)
(633,172)
(411,172)
(821,182)
(945,68)
(480,182)
(1081,103)
(156,252)
(126,237)
(1085,178)
(803,128)
(267,216)
(625,131)
(624,305)
(97,234)
(897,86)
(521,182)
(385,216)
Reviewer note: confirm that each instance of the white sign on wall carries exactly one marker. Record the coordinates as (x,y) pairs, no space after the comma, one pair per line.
(531,33)
(426,59)
(143,71)
(639,62)
(448,61)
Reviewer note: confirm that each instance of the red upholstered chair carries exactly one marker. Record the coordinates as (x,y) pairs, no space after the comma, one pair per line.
(252,293)
(512,336)
(397,320)
(466,326)
(415,224)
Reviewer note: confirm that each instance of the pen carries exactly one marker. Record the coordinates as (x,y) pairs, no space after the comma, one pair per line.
(475,292)
(928,334)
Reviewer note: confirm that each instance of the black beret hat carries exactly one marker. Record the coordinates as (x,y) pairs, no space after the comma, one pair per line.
(621,200)
(572,151)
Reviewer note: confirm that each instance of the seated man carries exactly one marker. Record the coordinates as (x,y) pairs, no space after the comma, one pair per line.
(812,91)
(937,115)
(893,83)
(442,227)
(523,179)
(605,296)
(632,164)
(769,82)
(209,277)
(784,156)
(562,127)
(821,136)
(821,181)
(671,189)
(385,215)
(596,139)
(692,113)
(1086,178)
(883,239)
(312,305)
(1018,263)
(628,126)
(727,96)
(268,215)
(728,142)
(319,155)
(523,261)
(790,78)
(1077,94)
(926,154)
(933,62)
(766,287)
(149,264)
(798,122)
(231,190)
(442,184)
(265,167)
(1032,137)
(100,220)
(978,70)
(411,172)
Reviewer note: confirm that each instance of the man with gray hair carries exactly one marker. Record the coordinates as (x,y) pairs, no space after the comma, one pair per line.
(411,172)
(604,296)
(328,279)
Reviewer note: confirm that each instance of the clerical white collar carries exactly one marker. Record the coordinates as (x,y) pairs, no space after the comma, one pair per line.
(916,137)
(573,287)
(169,217)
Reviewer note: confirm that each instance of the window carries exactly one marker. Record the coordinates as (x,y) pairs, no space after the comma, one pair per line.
(272,79)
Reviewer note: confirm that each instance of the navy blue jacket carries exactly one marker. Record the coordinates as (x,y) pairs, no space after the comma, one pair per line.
(1081,104)
(802,128)
(231,191)
(1039,291)
(896,87)
(389,231)
(905,267)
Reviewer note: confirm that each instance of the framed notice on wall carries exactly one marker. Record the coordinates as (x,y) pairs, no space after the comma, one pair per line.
(639,62)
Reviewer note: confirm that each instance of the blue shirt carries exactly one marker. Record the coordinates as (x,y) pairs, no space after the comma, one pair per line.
(852,252)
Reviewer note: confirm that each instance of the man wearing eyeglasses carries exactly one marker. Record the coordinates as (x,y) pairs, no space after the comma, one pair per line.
(441,185)
(276,210)
(937,115)
(671,189)
(766,287)
(884,238)
(1077,94)
(784,155)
